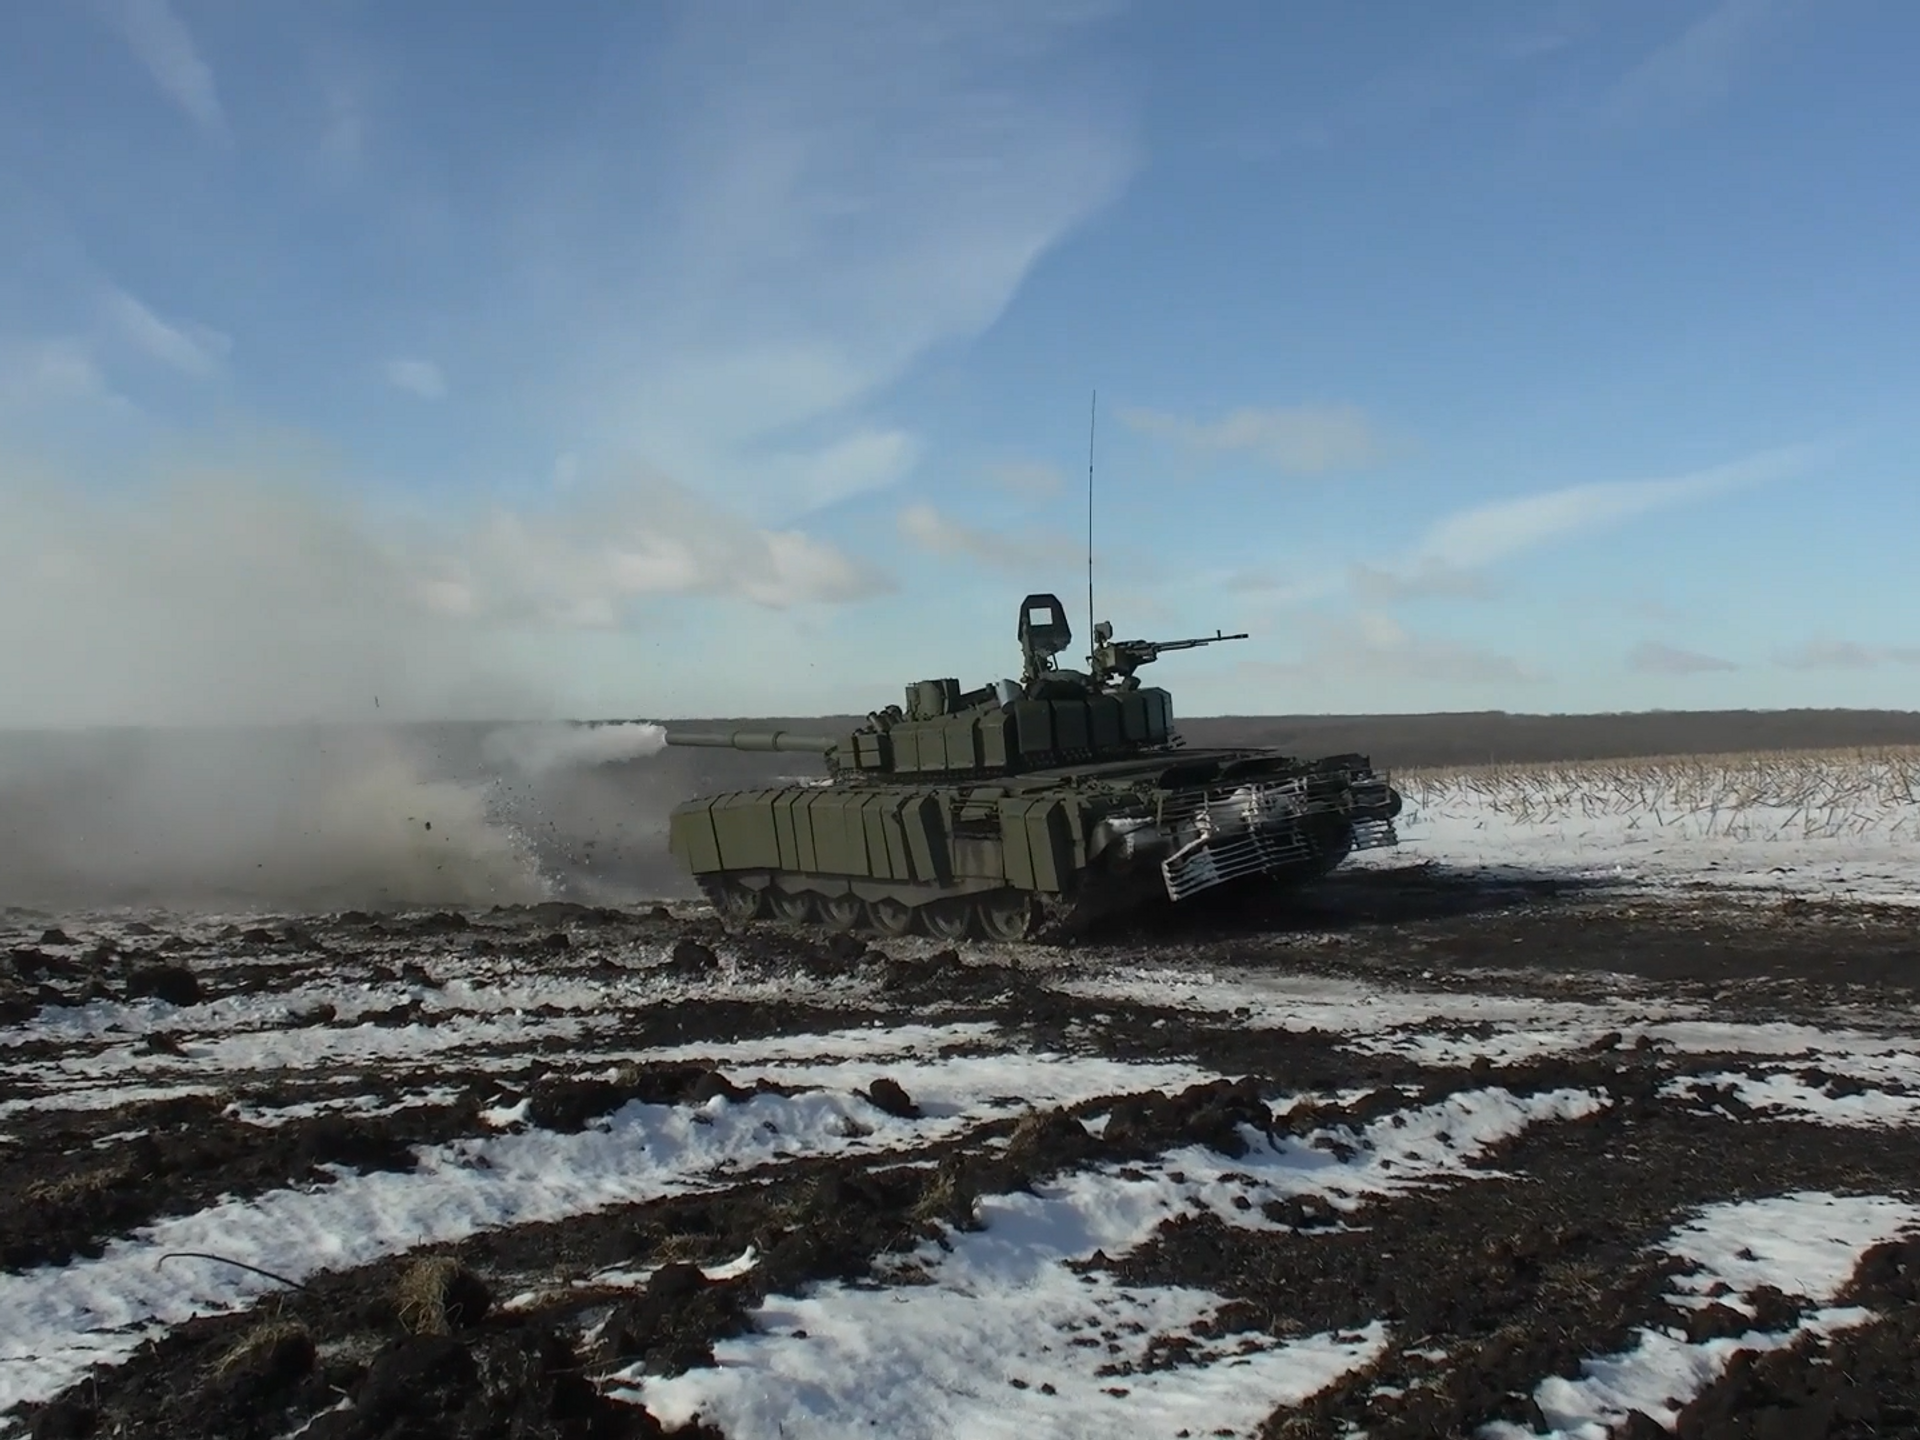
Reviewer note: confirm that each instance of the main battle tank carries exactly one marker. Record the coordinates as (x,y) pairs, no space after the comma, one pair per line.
(1024,809)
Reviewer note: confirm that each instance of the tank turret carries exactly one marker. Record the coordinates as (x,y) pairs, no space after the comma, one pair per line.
(1048,717)
(1021,806)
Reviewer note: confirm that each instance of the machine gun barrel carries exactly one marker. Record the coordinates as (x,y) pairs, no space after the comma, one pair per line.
(1158,645)
(789,740)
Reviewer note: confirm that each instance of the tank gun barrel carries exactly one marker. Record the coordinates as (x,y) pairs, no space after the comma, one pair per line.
(784,740)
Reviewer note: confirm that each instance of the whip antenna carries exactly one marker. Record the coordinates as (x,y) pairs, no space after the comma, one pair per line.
(1093,414)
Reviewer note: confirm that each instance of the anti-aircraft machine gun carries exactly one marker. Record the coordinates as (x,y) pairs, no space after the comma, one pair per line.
(1023,809)
(1114,661)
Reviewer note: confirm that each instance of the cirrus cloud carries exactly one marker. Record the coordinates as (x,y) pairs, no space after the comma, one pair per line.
(1303,440)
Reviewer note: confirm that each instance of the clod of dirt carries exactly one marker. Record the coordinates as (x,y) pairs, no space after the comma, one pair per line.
(257,935)
(141,928)
(414,973)
(692,959)
(1049,1138)
(942,970)
(1302,1212)
(556,942)
(358,1144)
(950,1196)
(1640,1426)
(31,964)
(677,1279)
(888,1095)
(420,1377)
(567,1104)
(55,936)
(1225,1107)
(439,1295)
(672,1326)
(271,1358)
(65,1420)
(173,984)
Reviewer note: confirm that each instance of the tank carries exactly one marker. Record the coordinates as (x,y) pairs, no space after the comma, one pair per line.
(1023,810)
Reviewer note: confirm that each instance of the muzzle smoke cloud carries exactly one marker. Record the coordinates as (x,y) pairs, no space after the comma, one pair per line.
(211,694)
(538,749)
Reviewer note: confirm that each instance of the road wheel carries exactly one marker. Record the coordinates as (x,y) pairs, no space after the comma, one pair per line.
(1007,915)
(949,919)
(740,902)
(842,912)
(794,907)
(891,917)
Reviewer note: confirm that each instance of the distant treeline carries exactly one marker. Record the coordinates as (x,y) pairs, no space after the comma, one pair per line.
(1470,737)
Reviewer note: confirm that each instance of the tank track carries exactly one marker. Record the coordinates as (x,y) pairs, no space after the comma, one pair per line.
(1003,914)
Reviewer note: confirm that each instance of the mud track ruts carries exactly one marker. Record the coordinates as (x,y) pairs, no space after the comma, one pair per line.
(1861,1382)
(809,1220)
(191,1154)
(1517,1279)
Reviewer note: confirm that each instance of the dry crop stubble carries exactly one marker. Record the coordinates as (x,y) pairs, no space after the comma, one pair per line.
(1761,795)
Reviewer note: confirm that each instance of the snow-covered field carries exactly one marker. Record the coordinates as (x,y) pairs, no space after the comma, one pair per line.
(799,1190)
(1825,824)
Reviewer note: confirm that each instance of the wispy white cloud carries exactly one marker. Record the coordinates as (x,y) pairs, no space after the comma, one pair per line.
(1372,645)
(416,377)
(1487,533)
(1845,655)
(39,374)
(191,348)
(1027,477)
(1653,658)
(941,534)
(1430,578)
(161,41)
(1278,587)
(1303,440)
(841,189)
(1699,65)
(859,461)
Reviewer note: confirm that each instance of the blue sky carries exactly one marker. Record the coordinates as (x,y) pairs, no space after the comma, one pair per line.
(728,357)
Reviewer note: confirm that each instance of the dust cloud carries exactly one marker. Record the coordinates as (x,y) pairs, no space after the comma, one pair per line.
(228,686)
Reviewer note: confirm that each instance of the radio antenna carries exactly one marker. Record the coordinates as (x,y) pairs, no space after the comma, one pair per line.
(1093,415)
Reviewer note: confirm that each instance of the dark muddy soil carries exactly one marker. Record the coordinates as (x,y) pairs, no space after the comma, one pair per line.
(1540,1262)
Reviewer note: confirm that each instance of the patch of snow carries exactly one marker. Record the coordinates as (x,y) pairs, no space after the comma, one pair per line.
(1445,1027)
(365,1105)
(100,1310)
(1786,1094)
(986,1343)
(1804,1245)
